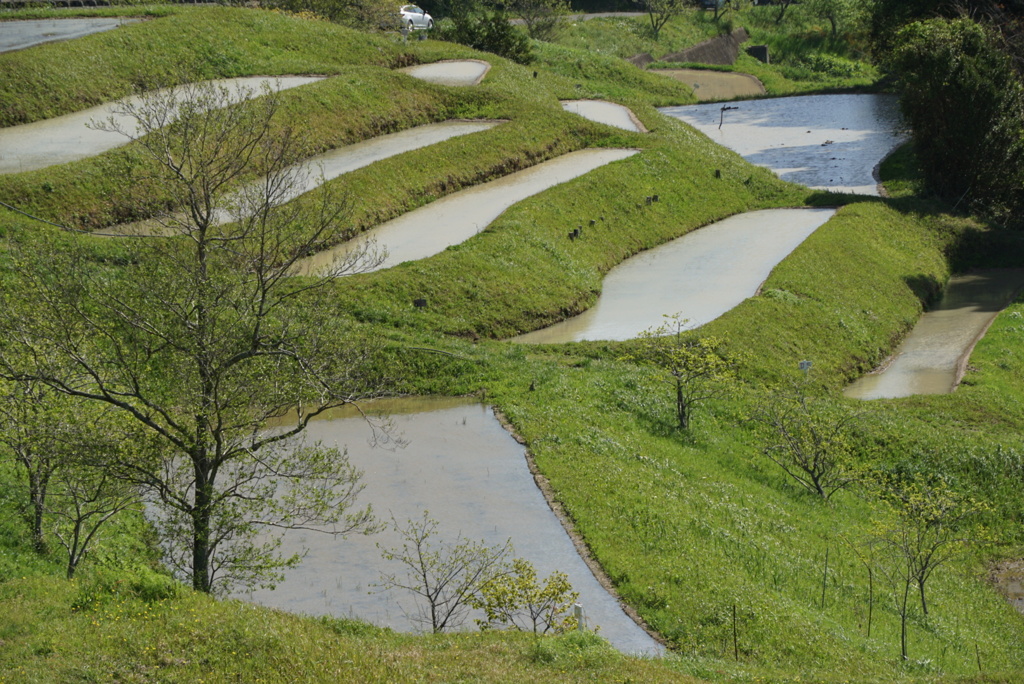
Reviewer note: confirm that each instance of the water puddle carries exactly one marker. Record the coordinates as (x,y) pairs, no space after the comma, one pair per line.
(1008,578)
(701,275)
(461,72)
(932,358)
(462,466)
(68,138)
(831,142)
(716,85)
(18,35)
(454,219)
(330,165)
(605,112)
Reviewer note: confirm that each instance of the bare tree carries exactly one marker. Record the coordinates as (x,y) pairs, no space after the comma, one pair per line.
(659,12)
(203,335)
(809,439)
(446,576)
(85,500)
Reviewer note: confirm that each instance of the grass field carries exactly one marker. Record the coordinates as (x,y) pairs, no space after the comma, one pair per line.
(711,543)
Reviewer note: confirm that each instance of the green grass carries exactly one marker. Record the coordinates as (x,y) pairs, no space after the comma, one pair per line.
(804,55)
(688,526)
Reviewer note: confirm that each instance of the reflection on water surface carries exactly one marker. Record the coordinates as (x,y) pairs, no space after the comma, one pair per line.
(932,358)
(463,467)
(831,142)
(701,275)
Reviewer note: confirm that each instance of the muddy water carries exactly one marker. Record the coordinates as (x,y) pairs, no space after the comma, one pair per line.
(932,358)
(1008,578)
(454,219)
(700,275)
(17,35)
(606,113)
(715,85)
(68,138)
(468,472)
(463,72)
(829,142)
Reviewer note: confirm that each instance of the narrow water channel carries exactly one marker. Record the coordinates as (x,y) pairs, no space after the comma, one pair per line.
(701,275)
(454,219)
(463,467)
(68,138)
(831,142)
(932,358)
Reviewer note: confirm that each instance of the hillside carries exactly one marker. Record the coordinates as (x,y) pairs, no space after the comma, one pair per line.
(743,574)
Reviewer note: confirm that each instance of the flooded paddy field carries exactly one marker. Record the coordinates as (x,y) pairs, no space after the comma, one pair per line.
(25,33)
(458,72)
(710,85)
(454,219)
(828,142)
(701,276)
(463,467)
(68,138)
(605,112)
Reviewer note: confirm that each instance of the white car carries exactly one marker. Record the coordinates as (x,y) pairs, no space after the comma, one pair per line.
(415,18)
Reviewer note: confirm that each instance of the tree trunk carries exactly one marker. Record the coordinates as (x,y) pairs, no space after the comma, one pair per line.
(903,620)
(682,410)
(37,492)
(201,529)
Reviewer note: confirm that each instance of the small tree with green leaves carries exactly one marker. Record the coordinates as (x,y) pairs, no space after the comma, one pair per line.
(928,525)
(517,600)
(445,576)
(697,368)
(809,438)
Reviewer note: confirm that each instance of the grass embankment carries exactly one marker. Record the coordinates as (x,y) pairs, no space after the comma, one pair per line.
(688,526)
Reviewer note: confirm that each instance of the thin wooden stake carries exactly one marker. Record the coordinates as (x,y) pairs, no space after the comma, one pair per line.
(824,580)
(735,642)
(871,597)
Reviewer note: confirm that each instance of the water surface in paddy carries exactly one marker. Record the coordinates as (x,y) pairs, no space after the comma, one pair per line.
(831,142)
(604,112)
(715,85)
(17,35)
(933,356)
(68,138)
(701,275)
(461,72)
(454,219)
(463,467)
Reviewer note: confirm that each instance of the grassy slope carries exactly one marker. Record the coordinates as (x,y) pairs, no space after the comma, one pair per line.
(687,526)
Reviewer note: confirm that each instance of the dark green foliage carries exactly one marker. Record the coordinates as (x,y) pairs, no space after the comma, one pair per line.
(965,104)
(485,28)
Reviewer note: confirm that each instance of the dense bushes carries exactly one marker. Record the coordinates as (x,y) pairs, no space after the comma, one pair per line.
(484,28)
(965,104)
